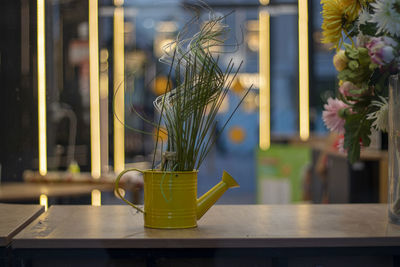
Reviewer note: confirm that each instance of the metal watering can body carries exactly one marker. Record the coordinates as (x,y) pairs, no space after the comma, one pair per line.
(170,198)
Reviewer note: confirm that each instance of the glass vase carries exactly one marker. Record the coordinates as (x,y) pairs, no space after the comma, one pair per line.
(394,150)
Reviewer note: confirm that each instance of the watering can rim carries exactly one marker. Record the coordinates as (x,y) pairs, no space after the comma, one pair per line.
(159,171)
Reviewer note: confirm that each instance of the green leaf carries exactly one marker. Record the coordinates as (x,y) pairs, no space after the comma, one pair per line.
(357,128)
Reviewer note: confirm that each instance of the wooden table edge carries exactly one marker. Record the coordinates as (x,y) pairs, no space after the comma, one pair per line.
(215,243)
(6,241)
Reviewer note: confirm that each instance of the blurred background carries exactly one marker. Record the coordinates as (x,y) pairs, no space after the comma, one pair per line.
(65,62)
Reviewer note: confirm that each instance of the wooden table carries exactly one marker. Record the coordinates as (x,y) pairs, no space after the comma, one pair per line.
(13,218)
(10,192)
(270,235)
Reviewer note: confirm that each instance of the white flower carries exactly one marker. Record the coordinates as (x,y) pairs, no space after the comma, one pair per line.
(387,16)
(364,17)
(380,116)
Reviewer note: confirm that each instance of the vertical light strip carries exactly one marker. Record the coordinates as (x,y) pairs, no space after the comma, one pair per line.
(104,131)
(119,88)
(43,201)
(96,197)
(303,71)
(41,70)
(264,76)
(94,88)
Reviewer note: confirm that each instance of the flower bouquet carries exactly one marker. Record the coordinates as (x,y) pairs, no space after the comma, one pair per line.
(364,65)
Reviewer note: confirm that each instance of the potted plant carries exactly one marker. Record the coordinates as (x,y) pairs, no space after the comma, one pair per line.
(188,113)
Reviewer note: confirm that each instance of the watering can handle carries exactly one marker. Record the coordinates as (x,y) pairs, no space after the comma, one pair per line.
(116,188)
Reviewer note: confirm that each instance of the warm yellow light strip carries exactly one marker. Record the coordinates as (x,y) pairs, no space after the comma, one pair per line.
(303,71)
(43,201)
(104,131)
(94,88)
(119,88)
(264,76)
(96,197)
(41,54)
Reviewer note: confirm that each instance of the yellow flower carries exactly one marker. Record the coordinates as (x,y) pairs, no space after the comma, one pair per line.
(340,60)
(338,15)
(352,7)
(334,21)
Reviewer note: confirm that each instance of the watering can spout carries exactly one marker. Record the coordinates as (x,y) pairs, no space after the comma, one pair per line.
(208,199)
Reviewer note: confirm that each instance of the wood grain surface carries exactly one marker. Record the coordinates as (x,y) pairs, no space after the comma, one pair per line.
(224,226)
(15,217)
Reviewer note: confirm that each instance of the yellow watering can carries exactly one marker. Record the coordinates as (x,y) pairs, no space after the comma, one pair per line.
(170,198)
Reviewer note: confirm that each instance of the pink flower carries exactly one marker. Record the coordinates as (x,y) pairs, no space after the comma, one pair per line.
(381,50)
(347,89)
(332,119)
